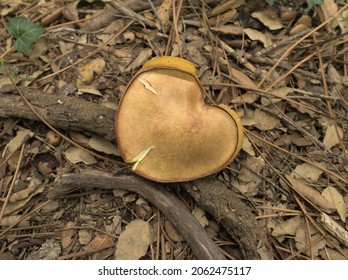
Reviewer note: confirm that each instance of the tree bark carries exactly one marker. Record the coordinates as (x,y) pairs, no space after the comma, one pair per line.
(64,112)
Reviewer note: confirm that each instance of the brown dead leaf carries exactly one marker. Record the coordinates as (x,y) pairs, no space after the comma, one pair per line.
(288,15)
(228,16)
(227,5)
(89,70)
(85,236)
(40,48)
(76,155)
(332,195)
(242,78)
(134,241)
(301,141)
(333,75)
(163,13)
(278,92)
(23,194)
(248,175)
(330,254)
(254,163)
(100,144)
(100,241)
(143,56)
(247,188)
(18,204)
(196,56)
(343,23)
(302,109)
(9,221)
(88,89)
(285,140)
(228,29)
(247,147)
(256,35)
(307,171)
(286,228)
(17,141)
(303,23)
(9,7)
(310,193)
(326,9)
(331,138)
(79,138)
(115,226)
(3,167)
(305,20)
(297,29)
(264,120)
(246,98)
(67,234)
(269,18)
(303,238)
(70,12)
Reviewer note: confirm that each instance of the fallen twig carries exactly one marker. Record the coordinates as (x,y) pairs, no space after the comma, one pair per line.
(167,202)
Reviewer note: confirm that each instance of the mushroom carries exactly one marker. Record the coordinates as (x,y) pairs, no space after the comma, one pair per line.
(164,127)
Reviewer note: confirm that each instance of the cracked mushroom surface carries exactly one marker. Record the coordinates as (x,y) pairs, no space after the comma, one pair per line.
(164,127)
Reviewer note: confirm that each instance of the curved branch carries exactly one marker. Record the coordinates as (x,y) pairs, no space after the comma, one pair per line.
(167,202)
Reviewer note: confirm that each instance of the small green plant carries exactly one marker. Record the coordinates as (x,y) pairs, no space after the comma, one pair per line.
(311,3)
(25,32)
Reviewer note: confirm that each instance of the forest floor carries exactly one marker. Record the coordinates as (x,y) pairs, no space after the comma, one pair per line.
(283,69)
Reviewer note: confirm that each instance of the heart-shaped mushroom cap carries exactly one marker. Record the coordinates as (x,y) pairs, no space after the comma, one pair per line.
(165,128)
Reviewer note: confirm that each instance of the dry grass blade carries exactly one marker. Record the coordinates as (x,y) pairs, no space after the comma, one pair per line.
(329,172)
(299,41)
(90,54)
(320,229)
(118,5)
(328,102)
(55,130)
(9,192)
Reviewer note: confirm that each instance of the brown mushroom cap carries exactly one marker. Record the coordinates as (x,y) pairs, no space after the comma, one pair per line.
(165,128)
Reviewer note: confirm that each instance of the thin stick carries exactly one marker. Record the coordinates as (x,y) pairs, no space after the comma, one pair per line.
(57,131)
(25,216)
(299,157)
(167,202)
(12,183)
(289,50)
(90,54)
(328,103)
(118,5)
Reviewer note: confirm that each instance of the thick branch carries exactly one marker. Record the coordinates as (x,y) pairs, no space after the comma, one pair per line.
(226,208)
(68,113)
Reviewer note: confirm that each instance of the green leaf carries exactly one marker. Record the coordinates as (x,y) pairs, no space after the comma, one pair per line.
(25,32)
(312,3)
(270,2)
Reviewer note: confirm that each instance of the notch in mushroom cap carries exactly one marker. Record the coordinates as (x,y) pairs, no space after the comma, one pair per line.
(164,127)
